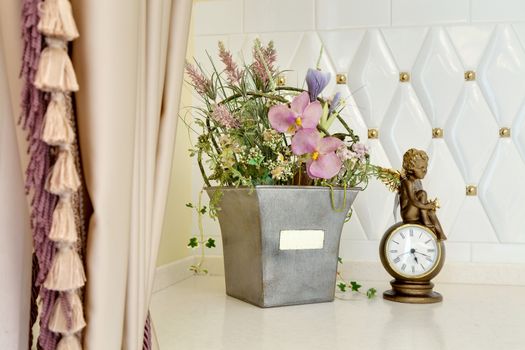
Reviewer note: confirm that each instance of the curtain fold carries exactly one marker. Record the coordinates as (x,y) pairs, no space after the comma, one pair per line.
(129,61)
(15,234)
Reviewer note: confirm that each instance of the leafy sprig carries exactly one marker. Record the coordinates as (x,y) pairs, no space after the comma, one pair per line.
(200,240)
(352,286)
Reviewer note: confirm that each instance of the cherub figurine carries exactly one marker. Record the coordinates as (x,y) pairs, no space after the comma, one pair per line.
(415,207)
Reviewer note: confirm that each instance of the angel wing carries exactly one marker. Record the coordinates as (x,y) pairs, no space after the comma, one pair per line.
(390,177)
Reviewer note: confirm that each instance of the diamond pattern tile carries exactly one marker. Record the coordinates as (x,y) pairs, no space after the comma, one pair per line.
(502,192)
(502,70)
(351,114)
(437,76)
(437,96)
(470,43)
(405,44)
(405,126)
(375,206)
(306,57)
(471,133)
(341,46)
(472,223)
(518,133)
(353,230)
(447,185)
(373,77)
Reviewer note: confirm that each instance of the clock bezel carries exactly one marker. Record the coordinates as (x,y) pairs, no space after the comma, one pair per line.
(440,254)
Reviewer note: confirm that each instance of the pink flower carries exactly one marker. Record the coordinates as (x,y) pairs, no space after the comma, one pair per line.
(302,115)
(323,162)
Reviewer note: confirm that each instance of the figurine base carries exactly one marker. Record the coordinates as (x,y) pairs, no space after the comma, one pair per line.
(412,293)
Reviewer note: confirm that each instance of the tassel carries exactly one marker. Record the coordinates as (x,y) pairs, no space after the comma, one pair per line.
(55,70)
(67,319)
(56,20)
(64,177)
(69,342)
(66,272)
(63,227)
(57,128)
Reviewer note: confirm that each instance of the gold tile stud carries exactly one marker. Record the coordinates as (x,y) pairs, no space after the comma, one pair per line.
(470,75)
(437,133)
(281,80)
(472,190)
(404,77)
(373,133)
(504,132)
(340,78)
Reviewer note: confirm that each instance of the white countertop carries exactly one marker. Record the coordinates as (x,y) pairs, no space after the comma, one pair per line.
(197,314)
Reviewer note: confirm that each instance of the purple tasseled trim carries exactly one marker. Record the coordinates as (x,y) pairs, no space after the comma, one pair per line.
(34,104)
(67,309)
(34,296)
(146,345)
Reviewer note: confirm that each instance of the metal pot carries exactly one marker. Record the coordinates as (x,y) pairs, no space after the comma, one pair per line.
(281,243)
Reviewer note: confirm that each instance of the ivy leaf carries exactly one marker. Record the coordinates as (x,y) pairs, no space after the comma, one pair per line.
(339,260)
(355,286)
(193,242)
(342,287)
(370,293)
(189,205)
(210,243)
(203,210)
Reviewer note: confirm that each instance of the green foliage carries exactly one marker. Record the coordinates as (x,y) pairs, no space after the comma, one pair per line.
(355,286)
(194,242)
(352,286)
(210,243)
(371,292)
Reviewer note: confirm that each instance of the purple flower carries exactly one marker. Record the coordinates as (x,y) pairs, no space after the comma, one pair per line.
(316,81)
(334,103)
(360,150)
(301,115)
(344,153)
(322,161)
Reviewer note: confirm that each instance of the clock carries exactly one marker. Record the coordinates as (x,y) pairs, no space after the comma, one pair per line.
(413,255)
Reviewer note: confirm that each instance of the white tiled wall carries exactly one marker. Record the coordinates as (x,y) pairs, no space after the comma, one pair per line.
(436,41)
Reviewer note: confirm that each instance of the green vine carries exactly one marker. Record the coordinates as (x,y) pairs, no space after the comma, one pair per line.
(352,286)
(200,241)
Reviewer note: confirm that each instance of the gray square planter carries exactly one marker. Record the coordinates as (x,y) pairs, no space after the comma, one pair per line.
(264,263)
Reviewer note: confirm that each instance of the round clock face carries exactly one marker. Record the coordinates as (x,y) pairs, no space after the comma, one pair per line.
(412,251)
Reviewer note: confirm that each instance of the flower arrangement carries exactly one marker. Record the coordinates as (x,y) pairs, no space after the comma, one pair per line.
(254,132)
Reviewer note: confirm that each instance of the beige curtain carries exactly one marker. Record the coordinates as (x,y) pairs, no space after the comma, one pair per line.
(129,62)
(15,236)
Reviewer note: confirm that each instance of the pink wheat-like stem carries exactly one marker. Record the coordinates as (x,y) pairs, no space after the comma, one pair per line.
(199,81)
(232,71)
(223,117)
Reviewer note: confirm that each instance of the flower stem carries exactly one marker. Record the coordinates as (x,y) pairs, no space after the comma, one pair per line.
(201,168)
(254,93)
(201,231)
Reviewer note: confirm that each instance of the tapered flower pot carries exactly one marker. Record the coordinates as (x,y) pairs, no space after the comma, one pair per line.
(281,243)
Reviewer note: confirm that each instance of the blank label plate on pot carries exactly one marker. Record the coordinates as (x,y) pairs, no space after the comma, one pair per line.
(301,239)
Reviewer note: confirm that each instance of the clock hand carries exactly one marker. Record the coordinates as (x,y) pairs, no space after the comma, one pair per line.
(422,254)
(405,253)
